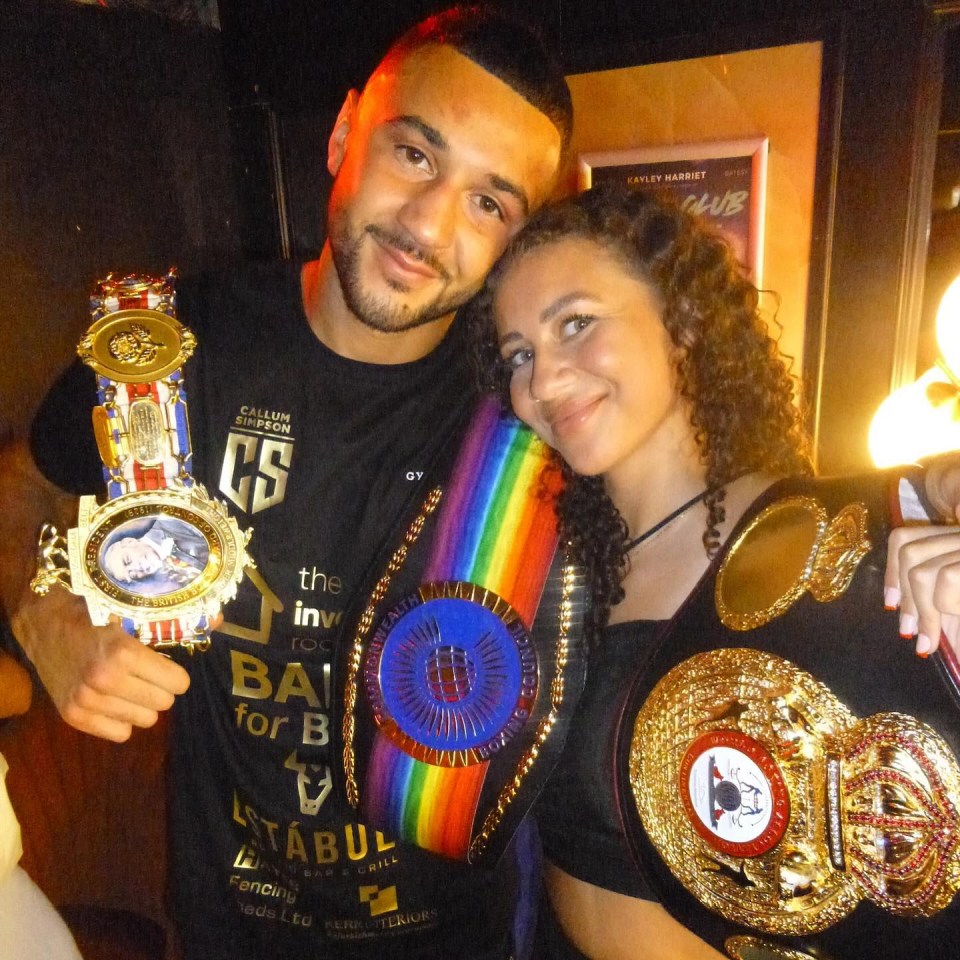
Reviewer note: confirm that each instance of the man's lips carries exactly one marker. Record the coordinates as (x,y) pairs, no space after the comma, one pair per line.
(405,260)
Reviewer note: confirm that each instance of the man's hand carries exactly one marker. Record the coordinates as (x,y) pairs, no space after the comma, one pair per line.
(101,680)
(923,580)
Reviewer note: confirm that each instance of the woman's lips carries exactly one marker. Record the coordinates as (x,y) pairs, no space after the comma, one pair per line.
(568,416)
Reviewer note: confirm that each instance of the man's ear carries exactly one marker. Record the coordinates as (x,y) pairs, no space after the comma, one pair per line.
(337,144)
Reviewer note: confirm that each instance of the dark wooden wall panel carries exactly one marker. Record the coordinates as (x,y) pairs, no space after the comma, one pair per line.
(116,155)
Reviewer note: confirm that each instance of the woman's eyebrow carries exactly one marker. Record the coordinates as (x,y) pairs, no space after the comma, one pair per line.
(549,312)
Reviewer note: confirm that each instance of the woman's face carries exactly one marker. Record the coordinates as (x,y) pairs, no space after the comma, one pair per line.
(590,360)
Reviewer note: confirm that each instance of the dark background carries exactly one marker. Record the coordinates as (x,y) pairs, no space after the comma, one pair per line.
(132,141)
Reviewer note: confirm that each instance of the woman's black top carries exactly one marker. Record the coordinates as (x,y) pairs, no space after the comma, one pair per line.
(577,813)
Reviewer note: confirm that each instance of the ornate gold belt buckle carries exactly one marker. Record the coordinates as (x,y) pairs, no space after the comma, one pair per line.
(780,810)
(160,555)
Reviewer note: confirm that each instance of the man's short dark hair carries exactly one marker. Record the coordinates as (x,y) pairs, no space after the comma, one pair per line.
(506,47)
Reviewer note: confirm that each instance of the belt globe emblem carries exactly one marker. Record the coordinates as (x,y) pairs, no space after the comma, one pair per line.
(451,674)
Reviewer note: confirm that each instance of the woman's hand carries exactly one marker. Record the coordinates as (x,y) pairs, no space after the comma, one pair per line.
(923,580)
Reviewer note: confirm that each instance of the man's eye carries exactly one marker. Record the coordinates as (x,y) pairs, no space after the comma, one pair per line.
(413,155)
(489,206)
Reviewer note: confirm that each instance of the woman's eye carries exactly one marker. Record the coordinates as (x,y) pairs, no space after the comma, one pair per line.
(573,325)
(516,359)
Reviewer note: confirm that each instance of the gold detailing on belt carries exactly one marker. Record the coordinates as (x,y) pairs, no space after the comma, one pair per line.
(753,948)
(364,626)
(204,562)
(512,787)
(780,810)
(137,345)
(787,549)
(160,556)
(53,561)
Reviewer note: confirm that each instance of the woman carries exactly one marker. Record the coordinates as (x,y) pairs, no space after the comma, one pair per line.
(625,334)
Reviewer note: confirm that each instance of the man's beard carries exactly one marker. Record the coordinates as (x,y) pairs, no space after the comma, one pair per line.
(381,313)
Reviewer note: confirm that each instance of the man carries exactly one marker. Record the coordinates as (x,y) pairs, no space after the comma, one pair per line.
(321,399)
(170,551)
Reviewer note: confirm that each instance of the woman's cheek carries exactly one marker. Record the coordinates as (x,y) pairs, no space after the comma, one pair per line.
(521,401)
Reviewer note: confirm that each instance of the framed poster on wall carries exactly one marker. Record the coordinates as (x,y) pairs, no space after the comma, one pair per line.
(724,181)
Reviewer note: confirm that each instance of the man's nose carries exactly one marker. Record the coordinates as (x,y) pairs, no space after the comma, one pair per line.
(430,215)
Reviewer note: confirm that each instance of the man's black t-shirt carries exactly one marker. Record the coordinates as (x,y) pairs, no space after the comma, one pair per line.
(325,458)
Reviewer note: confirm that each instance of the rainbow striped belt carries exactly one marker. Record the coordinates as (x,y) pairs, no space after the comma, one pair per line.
(457,683)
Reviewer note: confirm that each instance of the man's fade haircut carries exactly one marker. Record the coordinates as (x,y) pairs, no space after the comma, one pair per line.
(506,47)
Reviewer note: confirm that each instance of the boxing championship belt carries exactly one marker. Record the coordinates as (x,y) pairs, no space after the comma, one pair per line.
(159,554)
(775,806)
(458,696)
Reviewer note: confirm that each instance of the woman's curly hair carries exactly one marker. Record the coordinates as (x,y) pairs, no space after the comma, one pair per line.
(728,368)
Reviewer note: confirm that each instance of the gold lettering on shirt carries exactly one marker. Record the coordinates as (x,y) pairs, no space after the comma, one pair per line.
(270,604)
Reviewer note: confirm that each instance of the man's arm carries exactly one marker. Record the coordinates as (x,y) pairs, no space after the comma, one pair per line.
(102,681)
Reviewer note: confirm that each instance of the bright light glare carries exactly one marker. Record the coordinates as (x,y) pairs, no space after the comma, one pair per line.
(907,426)
(948,327)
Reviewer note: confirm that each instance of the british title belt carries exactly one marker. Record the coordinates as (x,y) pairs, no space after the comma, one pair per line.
(771,802)
(467,686)
(159,555)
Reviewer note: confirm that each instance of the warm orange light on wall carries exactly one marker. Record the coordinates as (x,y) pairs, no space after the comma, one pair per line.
(923,418)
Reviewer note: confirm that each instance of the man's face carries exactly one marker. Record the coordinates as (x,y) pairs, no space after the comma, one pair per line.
(130,559)
(437,164)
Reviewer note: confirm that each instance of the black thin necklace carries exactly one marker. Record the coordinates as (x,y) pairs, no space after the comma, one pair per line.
(669,518)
